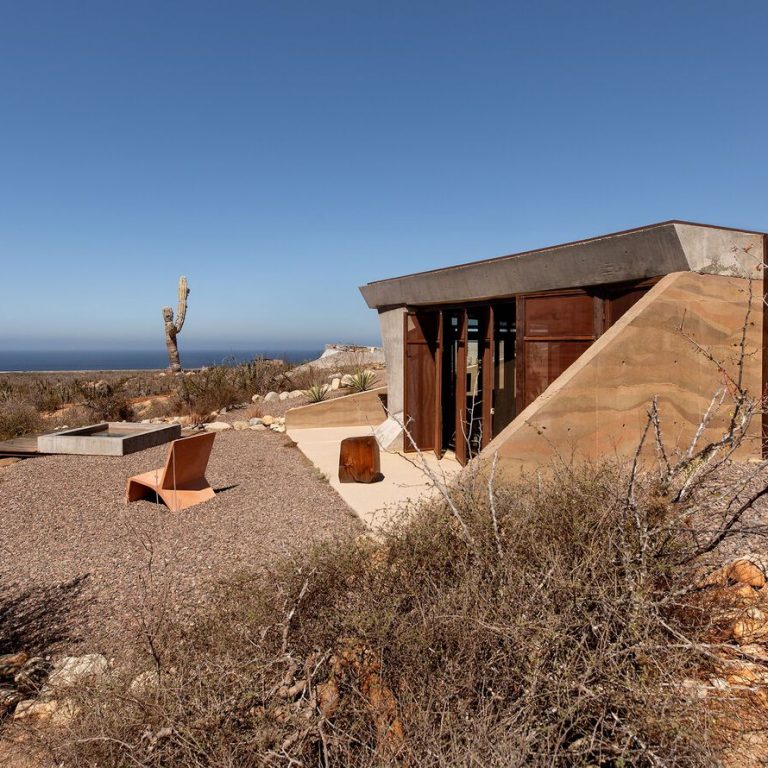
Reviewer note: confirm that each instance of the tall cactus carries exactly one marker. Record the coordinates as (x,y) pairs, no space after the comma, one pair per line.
(173,328)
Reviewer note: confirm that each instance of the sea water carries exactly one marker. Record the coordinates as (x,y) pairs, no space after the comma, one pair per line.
(136,359)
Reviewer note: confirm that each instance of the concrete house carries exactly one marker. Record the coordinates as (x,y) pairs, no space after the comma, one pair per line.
(560,351)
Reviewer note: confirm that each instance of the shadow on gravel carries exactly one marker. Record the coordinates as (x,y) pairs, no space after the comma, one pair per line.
(34,620)
(225,488)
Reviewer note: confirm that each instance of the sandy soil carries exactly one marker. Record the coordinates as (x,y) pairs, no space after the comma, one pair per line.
(77,561)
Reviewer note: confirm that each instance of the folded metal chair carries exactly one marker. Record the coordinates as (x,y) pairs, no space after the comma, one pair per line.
(181,482)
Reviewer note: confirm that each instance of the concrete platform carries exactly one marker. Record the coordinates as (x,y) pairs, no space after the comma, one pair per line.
(108,439)
(405,481)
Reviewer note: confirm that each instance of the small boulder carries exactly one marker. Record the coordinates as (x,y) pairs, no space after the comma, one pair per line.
(57,712)
(295,393)
(267,420)
(144,684)
(335,384)
(75,669)
(239,426)
(253,422)
(256,398)
(11,664)
(746,571)
(271,396)
(283,396)
(752,628)
(217,426)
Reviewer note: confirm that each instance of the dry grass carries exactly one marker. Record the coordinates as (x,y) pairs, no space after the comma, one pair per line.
(547,637)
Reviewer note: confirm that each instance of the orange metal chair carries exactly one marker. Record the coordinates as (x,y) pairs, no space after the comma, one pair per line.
(181,482)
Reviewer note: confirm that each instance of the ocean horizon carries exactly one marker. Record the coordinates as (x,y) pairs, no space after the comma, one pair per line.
(138,359)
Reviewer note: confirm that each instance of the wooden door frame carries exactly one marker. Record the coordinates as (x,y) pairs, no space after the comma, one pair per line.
(439,387)
(461,388)
(488,379)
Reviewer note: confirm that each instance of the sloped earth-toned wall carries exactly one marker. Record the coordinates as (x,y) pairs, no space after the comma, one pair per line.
(598,407)
(359,410)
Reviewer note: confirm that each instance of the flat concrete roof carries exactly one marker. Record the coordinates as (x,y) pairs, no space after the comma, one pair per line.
(633,254)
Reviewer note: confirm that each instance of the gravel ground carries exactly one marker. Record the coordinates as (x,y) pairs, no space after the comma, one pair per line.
(75,558)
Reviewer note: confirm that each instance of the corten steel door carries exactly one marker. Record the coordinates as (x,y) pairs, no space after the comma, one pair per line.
(421,381)
(553,332)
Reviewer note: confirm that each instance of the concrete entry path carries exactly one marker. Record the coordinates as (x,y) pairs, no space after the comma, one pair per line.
(405,481)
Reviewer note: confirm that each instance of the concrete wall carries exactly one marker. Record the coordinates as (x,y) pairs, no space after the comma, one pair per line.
(392,328)
(360,410)
(647,252)
(721,251)
(597,408)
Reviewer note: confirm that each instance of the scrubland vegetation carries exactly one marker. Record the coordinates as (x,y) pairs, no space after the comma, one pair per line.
(38,402)
(544,622)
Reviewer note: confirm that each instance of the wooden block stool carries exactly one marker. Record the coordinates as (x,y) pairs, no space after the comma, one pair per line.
(359,460)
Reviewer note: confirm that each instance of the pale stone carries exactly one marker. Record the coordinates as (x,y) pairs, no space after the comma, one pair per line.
(271,396)
(256,398)
(144,684)
(239,426)
(746,571)
(58,712)
(267,420)
(335,384)
(279,428)
(73,669)
(283,396)
(253,422)
(295,393)
(218,426)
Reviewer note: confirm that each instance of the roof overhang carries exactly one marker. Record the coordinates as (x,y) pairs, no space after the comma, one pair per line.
(657,249)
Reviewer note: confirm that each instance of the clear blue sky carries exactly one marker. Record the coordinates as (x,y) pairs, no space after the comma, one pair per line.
(282,153)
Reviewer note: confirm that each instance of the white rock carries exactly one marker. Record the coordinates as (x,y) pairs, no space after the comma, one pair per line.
(278,428)
(74,669)
(256,398)
(143,421)
(58,712)
(145,683)
(283,395)
(239,426)
(295,393)
(271,396)
(335,384)
(254,422)
(217,426)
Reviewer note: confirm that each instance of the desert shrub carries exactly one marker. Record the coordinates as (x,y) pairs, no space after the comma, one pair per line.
(531,626)
(207,390)
(362,381)
(317,393)
(50,395)
(258,377)
(305,377)
(104,401)
(17,417)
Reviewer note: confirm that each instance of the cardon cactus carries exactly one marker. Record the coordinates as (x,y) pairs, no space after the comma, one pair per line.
(172,329)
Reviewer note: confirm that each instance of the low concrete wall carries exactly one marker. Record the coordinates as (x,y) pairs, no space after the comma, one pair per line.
(598,407)
(360,410)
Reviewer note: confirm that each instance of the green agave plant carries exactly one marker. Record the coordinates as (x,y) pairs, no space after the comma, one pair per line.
(317,393)
(362,381)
